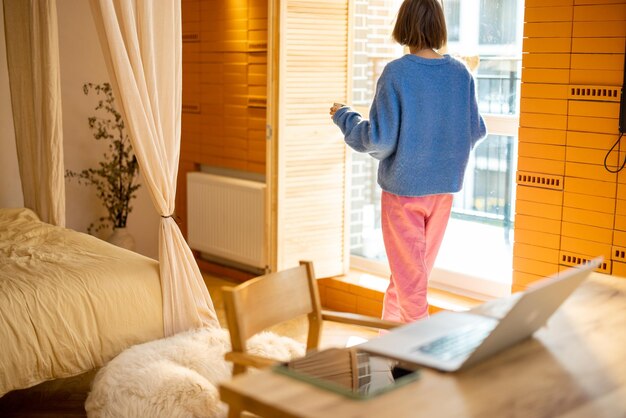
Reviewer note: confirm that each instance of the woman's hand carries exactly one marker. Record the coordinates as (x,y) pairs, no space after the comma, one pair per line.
(336,106)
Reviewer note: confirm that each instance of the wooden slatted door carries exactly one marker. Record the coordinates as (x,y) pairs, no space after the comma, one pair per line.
(309,160)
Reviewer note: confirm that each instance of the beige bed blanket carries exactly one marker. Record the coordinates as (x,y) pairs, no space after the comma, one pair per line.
(69,302)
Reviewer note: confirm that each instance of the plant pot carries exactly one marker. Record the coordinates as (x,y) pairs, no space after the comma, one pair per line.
(122,238)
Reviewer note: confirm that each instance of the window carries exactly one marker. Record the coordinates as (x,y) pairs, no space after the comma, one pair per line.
(373,49)
(497,18)
(489,33)
(452,11)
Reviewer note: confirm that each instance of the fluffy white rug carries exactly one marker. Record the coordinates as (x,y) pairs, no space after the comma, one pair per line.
(175,377)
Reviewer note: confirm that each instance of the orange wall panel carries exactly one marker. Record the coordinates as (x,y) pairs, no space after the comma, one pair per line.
(544,91)
(614,62)
(600,12)
(535,267)
(619,238)
(522,280)
(543,121)
(605,77)
(537,194)
(619,269)
(620,207)
(549,14)
(600,45)
(589,171)
(578,140)
(541,165)
(620,223)
(548,29)
(550,152)
(588,217)
(545,3)
(587,232)
(598,29)
(537,60)
(594,109)
(586,248)
(591,156)
(590,187)
(533,252)
(542,75)
(542,136)
(541,210)
(593,203)
(556,67)
(592,124)
(535,223)
(538,238)
(544,45)
(586,2)
(549,106)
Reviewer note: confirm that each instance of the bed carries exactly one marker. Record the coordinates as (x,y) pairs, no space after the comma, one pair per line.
(69,302)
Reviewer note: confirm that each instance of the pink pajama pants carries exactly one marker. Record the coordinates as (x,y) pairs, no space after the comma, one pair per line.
(413,228)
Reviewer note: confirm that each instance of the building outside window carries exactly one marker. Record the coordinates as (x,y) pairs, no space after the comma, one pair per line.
(476,254)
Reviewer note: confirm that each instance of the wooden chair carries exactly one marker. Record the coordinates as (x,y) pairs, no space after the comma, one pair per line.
(277,297)
(274,298)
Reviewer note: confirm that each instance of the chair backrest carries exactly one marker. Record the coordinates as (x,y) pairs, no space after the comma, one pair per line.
(271,299)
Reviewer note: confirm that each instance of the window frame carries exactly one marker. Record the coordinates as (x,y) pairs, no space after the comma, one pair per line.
(498,124)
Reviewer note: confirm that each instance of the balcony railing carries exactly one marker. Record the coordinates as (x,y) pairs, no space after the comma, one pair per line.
(498,94)
(487,195)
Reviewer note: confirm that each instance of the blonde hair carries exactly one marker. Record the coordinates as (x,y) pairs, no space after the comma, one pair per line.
(420,24)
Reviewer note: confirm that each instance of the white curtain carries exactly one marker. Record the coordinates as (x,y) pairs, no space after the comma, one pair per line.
(143,44)
(31,34)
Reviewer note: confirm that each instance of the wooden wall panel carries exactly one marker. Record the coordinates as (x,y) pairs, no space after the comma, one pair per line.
(311,163)
(224,88)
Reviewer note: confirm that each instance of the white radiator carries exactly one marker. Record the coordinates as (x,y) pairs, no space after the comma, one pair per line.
(226,218)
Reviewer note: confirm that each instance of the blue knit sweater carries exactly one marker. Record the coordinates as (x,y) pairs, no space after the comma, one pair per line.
(423,123)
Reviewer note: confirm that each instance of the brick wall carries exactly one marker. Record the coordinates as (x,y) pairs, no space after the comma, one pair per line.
(373,48)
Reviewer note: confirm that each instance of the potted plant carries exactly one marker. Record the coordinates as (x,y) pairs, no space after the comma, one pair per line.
(115,178)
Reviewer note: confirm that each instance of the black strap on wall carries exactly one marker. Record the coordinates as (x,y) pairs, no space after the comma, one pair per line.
(622,126)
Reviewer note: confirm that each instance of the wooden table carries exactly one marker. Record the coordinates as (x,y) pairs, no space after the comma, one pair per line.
(575,367)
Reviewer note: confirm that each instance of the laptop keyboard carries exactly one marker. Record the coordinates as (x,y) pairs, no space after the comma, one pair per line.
(459,342)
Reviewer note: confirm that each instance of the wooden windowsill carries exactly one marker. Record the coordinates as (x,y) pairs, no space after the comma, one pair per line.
(357,292)
(363,293)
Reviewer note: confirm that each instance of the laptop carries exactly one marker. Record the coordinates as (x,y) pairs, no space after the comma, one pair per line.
(450,341)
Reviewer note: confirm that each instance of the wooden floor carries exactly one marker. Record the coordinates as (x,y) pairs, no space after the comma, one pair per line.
(65,398)
(60,398)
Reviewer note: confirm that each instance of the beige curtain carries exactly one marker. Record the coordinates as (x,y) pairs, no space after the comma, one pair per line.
(31,34)
(143,43)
